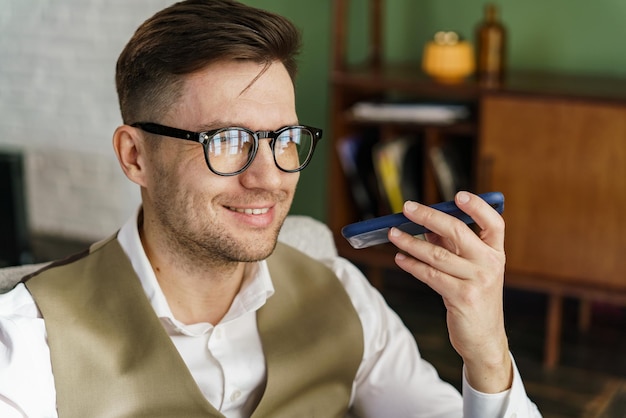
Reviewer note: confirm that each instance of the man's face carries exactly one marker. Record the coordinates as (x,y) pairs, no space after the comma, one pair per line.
(209,217)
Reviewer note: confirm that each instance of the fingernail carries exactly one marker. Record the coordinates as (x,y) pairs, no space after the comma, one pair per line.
(410,206)
(400,256)
(395,232)
(463,197)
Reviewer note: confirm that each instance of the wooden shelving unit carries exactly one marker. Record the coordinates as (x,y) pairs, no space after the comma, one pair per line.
(554,144)
(375,80)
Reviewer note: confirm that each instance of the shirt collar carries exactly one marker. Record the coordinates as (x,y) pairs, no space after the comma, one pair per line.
(256,287)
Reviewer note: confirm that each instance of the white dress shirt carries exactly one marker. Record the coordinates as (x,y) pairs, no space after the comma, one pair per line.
(227,361)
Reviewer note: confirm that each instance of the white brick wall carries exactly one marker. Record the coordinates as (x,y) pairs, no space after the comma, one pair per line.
(77,195)
(58,105)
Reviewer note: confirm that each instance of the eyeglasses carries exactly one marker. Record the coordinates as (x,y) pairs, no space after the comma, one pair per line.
(230,151)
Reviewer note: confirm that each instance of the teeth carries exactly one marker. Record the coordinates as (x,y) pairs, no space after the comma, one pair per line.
(250,211)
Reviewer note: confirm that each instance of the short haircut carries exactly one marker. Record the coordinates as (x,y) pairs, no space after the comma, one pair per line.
(187,37)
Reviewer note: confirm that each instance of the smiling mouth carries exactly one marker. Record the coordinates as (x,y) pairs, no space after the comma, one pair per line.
(250,211)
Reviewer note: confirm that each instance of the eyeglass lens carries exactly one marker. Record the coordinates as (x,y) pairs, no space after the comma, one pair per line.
(232,149)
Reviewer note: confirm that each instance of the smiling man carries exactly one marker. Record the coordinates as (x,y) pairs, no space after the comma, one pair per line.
(192,309)
(202,223)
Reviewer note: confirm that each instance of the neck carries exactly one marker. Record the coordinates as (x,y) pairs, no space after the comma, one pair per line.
(201,296)
(195,291)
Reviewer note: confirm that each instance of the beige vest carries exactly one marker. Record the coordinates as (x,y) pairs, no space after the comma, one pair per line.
(111,356)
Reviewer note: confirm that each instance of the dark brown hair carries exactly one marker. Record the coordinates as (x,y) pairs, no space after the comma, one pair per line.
(188,36)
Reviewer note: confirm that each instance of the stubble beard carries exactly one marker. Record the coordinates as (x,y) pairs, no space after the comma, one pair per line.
(209,244)
(193,241)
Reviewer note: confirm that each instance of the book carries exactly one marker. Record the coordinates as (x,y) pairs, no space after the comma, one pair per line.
(451,164)
(387,167)
(443,173)
(355,156)
(397,164)
(412,177)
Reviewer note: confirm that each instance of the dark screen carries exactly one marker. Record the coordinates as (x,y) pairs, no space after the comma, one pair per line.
(14,234)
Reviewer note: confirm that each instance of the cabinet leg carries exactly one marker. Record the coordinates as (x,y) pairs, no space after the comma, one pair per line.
(554,321)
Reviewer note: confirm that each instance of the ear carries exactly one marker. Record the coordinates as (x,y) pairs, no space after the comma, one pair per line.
(129,147)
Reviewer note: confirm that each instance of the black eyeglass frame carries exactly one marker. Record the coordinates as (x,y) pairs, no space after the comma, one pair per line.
(203,138)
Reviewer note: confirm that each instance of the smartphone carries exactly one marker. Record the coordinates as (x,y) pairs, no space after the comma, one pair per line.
(374,231)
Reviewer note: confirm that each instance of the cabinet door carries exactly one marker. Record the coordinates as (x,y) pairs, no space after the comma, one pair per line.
(561,165)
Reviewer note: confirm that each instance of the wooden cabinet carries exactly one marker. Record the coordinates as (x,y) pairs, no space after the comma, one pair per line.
(554,144)
(560,160)
(561,164)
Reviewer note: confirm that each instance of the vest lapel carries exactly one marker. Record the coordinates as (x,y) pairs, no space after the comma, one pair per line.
(110,354)
(312,339)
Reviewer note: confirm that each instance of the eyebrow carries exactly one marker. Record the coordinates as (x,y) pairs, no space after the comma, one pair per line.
(210,126)
(220,124)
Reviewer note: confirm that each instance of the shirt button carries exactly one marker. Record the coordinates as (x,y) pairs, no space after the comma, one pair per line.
(513,415)
(235,395)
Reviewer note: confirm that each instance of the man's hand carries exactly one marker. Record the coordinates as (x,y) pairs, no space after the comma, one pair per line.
(467,270)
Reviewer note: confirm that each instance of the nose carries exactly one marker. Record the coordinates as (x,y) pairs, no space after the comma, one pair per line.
(262,172)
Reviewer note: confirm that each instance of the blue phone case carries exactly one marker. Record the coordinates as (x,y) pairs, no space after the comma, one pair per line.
(374,231)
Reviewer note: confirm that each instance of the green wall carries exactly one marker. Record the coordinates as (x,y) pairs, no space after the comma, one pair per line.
(573,36)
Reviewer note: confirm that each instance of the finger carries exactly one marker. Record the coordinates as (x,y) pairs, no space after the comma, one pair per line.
(441,241)
(489,221)
(438,280)
(430,258)
(452,233)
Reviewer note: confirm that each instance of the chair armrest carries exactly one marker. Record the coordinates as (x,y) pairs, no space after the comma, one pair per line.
(308,235)
(10,276)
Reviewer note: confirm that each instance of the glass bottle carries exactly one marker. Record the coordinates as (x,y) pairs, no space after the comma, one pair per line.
(490,48)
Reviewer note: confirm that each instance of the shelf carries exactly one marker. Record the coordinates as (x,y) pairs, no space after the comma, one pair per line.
(549,85)
(466,127)
(407,79)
